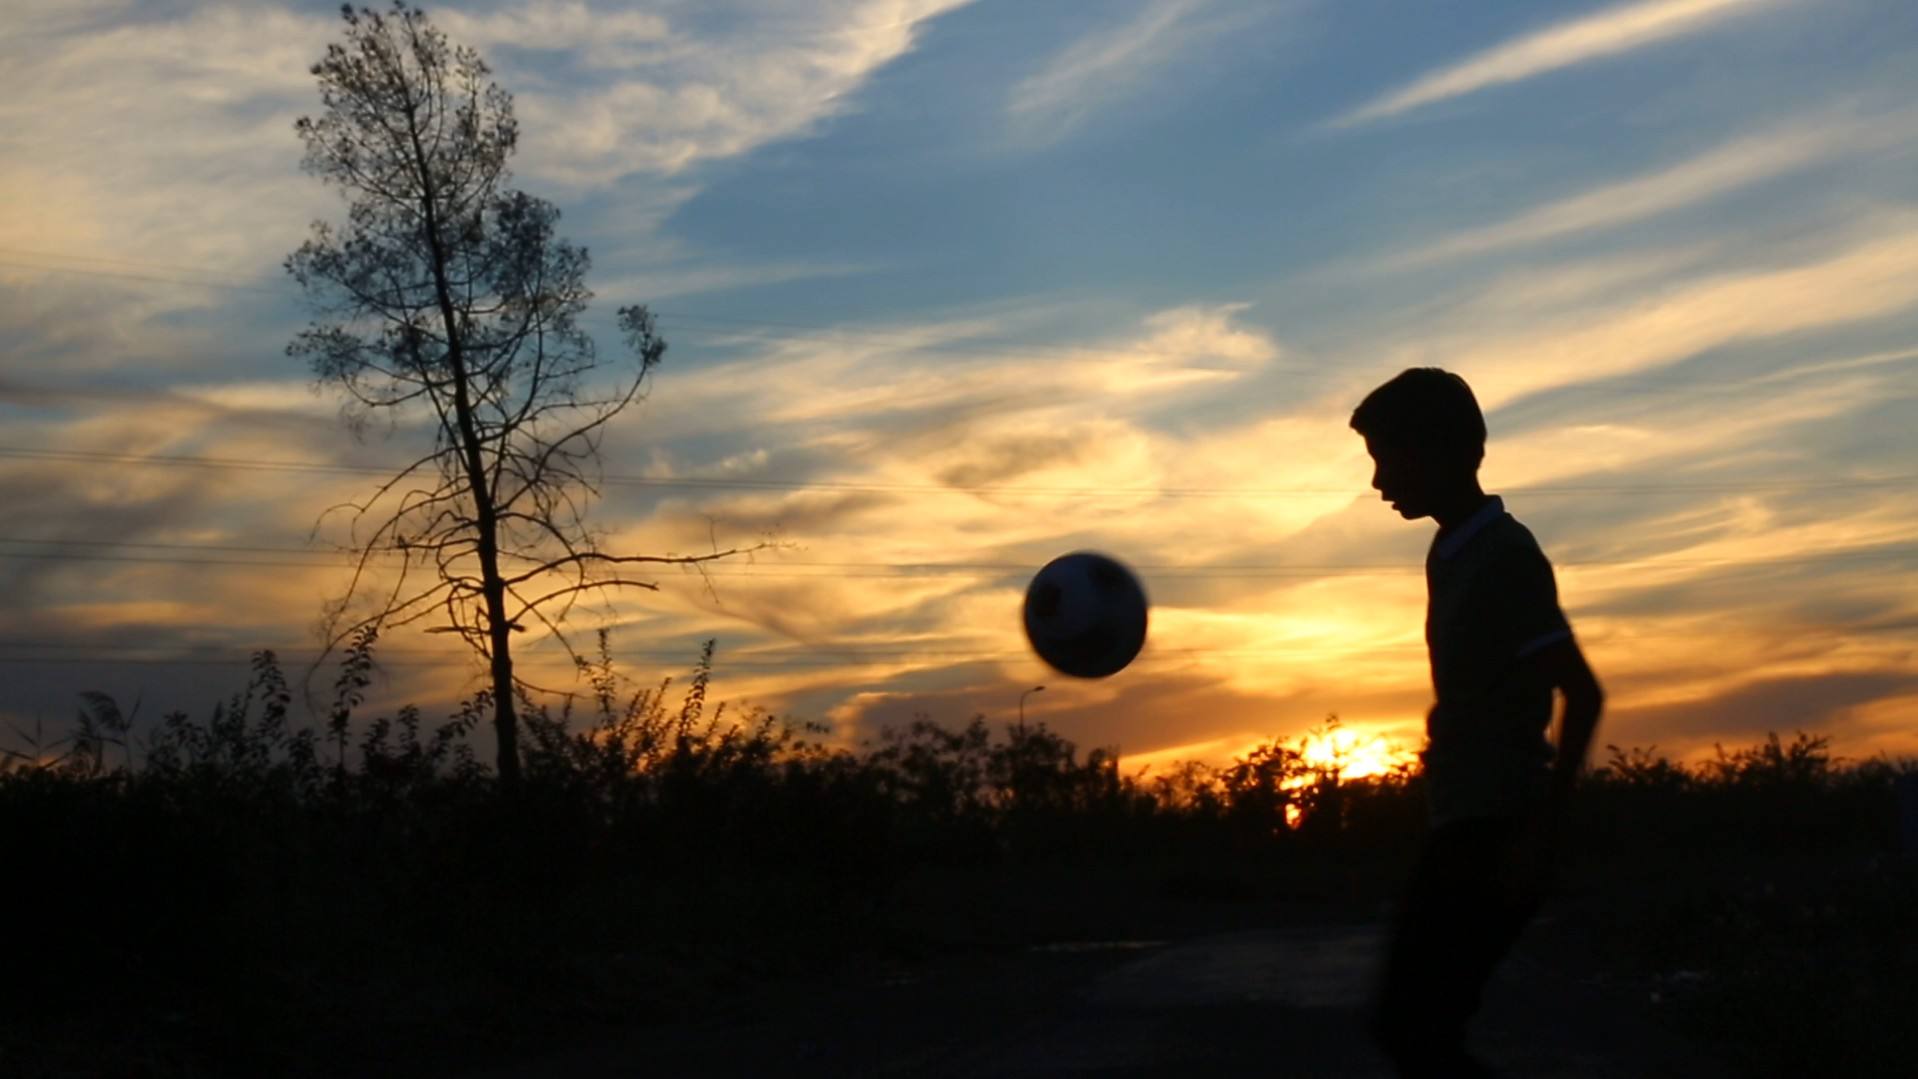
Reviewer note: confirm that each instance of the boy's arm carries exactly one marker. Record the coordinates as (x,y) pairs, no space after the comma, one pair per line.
(1563,665)
(1529,870)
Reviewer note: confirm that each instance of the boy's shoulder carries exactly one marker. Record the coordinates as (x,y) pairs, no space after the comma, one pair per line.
(1513,561)
(1505,547)
(1492,535)
(1508,533)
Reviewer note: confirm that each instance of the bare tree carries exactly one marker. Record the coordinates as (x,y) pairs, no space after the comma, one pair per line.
(447,296)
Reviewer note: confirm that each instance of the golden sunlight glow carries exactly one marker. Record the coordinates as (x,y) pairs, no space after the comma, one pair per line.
(1339,752)
(1172,756)
(1353,754)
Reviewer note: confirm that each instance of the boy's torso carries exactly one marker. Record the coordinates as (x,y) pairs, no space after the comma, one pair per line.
(1491,603)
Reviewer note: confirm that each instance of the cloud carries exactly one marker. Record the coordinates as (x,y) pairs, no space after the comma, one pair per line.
(1816,703)
(1109,66)
(1507,352)
(995,460)
(1724,168)
(1680,437)
(841,623)
(206,173)
(1080,431)
(933,434)
(667,277)
(604,37)
(657,99)
(935,429)
(822,380)
(1576,41)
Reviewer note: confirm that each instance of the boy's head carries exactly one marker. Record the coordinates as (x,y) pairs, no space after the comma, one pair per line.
(1426,436)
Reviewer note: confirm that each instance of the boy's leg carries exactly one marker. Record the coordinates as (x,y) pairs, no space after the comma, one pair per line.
(1417,1022)
(1452,929)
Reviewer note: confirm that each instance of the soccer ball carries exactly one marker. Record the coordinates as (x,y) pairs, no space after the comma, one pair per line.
(1085,615)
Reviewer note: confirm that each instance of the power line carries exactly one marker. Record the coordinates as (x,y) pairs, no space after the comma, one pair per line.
(832,570)
(819,657)
(718,483)
(215,280)
(150,545)
(872,571)
(768,329)
(715,325)
(822,651)
(860,652)
(129,275)
(238,661)
(182,460)
(969,345)
(107,259)
(775,664)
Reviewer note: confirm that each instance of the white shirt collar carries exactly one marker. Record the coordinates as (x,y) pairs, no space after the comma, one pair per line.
(1452,542)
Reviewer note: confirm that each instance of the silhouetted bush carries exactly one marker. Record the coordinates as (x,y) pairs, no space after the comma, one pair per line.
(1773,798)
(303,880)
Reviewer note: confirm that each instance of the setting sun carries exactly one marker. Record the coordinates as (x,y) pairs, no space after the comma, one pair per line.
(1353,754)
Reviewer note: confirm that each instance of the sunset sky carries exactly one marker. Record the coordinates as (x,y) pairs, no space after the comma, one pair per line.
(952,288)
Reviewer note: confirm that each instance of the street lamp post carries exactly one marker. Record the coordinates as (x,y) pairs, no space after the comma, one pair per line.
(1022,704)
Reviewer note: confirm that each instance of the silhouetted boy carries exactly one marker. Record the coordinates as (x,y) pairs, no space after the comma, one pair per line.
(1496,790)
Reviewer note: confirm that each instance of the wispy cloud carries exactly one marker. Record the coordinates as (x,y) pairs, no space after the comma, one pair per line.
(602,37)
(661,100)
(896,427)
(665,278)
(1720,170)
(1509,352)
(831,381)
(1110,65)
(105,165)
(1563,45)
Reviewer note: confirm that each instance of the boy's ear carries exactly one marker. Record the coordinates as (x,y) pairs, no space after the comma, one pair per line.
(1459,459)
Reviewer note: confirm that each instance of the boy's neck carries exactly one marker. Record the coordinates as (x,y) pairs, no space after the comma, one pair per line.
(1459,508)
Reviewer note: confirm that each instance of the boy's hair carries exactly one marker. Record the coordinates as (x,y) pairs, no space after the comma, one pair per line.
(1425,408)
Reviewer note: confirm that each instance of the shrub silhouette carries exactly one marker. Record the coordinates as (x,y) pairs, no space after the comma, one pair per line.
(285,884)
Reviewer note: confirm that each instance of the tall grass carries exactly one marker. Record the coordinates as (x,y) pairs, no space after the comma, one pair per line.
(242,892)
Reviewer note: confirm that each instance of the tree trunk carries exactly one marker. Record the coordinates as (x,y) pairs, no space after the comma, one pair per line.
(486,520)
(505,715)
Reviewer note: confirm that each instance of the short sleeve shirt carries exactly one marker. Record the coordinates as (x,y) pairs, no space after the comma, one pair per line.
(1492,601)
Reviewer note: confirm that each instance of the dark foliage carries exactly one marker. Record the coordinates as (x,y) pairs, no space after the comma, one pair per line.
(235,894)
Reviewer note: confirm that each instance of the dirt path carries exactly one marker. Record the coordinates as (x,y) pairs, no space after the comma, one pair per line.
(1271,1001)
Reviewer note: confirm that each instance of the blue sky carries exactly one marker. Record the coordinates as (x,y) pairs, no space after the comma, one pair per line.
(956,287)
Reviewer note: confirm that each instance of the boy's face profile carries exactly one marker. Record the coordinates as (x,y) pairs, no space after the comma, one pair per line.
(1426,437)
(1404,477)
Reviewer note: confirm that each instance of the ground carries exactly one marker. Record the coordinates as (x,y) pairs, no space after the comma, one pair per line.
(1277,1001)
